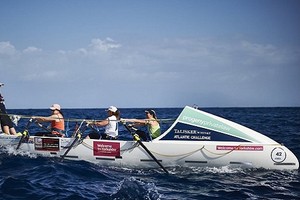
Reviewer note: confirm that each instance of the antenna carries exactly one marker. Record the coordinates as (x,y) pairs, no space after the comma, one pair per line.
(196,106)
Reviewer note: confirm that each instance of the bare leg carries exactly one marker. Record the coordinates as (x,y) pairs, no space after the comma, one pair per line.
(9,131)
(12,131)
(5,129)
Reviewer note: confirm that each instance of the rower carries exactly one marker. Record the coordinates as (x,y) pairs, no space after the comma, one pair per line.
(57,122)
(151,122)
(6,123)
(110,123)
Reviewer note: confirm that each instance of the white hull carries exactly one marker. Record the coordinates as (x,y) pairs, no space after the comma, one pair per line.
(169,153)
(196,138)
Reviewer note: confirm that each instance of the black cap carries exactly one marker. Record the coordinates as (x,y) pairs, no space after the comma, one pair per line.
(152,112)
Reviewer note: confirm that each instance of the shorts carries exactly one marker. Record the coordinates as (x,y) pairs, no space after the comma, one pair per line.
(5,121)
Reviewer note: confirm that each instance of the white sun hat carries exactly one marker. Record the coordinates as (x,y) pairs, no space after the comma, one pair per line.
(112,109)
(55,107)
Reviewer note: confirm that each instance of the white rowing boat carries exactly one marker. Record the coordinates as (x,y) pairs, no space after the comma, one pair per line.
(196,138)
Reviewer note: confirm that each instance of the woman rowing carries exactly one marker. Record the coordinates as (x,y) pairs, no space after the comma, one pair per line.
(6,123)
(151,122)
(57,121)
(110,123)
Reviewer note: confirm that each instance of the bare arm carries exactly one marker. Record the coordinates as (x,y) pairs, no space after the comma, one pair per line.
(99,123)
(46,119)
(137,122)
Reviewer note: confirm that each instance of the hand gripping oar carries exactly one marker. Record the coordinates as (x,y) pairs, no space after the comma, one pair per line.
(77,137)
(137,138)
(24,134)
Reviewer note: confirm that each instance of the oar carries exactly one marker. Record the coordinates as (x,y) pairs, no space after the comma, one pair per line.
(25,133)
(77,137)
(41,126)
(137,138)
(95,130)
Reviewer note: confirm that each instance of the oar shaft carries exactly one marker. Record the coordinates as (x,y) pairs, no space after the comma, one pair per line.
(145,148)
(41,126)
(70,147)
(154,158)
(77,136)
(25,132)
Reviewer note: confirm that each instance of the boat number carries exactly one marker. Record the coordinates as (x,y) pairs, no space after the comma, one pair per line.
(278,155)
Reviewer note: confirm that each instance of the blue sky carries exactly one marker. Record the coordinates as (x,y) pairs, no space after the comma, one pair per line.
(150,53)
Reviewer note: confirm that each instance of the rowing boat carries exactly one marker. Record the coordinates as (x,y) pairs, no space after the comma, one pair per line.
(195,139)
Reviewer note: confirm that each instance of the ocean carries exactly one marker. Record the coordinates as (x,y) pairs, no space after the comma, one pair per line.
(31,177)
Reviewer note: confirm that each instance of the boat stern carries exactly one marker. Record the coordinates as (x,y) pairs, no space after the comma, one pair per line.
(283,158)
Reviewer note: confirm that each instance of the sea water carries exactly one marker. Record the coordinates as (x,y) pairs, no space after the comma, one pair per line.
(27,176)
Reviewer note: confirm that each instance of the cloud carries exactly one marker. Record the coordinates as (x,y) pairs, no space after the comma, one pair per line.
(170,72)
(7,49)
(103,45)
(32,50)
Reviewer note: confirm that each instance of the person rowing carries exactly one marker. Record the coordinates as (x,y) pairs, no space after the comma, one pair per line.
(110,123)
(151,122)
(6,123)
(57,121)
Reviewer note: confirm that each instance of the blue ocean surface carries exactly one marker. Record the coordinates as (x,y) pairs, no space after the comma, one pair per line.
(26,176)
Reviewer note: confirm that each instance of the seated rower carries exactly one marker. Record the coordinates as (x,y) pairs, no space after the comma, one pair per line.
(151,122)
(110,123)
(6,124)
(57,122)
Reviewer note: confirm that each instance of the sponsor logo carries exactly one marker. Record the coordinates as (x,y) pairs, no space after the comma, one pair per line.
(106,148)
(240,148)
(46,144)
